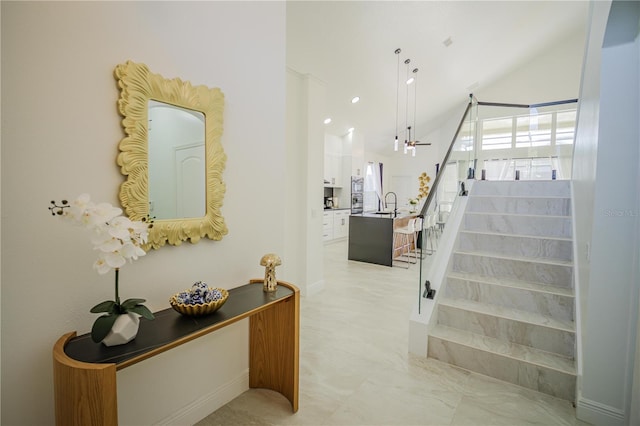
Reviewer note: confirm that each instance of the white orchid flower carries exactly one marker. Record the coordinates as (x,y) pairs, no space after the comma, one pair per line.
(108,261)
(139,231)
(115,259)
(116,237)
(78,207)
(131,251)
(101,213)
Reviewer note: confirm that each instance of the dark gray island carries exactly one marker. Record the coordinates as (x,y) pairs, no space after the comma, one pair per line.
(371,237)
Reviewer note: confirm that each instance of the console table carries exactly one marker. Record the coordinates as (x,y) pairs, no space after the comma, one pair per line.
(84,372)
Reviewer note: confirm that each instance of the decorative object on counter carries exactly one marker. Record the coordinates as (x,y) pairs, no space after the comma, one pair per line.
(118,240)
(413,202)
(199,300)
(270,261)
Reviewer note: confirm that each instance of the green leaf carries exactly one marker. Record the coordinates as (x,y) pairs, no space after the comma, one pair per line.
(143,311)
(130,303)
(106,306)
(101,327)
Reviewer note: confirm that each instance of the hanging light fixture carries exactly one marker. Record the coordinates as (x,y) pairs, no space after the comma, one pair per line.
(406,109)
(409,143)
(414,79)
(395,143)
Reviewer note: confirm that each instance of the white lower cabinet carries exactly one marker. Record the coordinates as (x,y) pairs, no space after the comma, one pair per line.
(341,223)
(327,226)
(335,224)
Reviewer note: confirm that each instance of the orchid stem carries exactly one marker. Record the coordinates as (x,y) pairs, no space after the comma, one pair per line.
(117,295)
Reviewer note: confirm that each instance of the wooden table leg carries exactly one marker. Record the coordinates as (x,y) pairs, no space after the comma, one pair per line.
(274,349)
(85,394)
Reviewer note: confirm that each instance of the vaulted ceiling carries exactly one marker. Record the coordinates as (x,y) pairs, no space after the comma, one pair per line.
(350,46)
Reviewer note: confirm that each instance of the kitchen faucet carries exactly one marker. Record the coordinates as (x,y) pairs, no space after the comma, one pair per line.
(395,203)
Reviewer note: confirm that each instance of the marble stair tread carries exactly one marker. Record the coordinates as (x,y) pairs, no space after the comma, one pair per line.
(505,234)
(509,313)
(524,197)
(546,216)
(508,349)
(522,188)
(524,285)
(540,260)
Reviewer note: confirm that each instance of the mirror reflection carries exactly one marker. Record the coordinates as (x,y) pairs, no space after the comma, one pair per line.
(177,163)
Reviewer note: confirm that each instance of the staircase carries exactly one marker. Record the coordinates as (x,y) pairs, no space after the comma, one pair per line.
(507,307)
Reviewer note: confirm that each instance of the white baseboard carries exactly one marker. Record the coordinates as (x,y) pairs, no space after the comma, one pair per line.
(598,414)
(207,404)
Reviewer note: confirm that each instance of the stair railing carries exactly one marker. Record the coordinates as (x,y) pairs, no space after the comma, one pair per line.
(431,203)
(467,153)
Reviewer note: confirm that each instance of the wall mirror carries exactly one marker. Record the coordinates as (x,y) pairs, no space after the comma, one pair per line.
(171,155)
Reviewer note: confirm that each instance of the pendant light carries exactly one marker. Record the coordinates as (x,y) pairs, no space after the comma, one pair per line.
(415,102)
(395,143)
(411,78)
(406,107)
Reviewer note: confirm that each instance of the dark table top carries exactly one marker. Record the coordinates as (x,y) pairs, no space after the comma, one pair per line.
(169,326)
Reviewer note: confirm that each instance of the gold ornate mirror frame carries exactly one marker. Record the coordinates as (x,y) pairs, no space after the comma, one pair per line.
(137,86)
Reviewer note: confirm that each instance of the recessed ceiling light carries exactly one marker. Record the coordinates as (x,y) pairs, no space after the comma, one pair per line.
(411,80)
(327,120)
(351,129)
(355,99)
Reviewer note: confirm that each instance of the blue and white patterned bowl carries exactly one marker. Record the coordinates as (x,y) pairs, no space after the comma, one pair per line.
(199,300)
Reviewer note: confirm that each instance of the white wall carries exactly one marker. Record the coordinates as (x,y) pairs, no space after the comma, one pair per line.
(606,202)
(60,131)
(549,76)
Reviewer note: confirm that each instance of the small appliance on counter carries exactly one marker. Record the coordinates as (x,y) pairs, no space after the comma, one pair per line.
(328,202)
(357,194)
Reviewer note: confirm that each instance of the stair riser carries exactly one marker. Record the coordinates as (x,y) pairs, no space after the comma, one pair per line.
(523,188)
(545,380)
(540,226)
(518,246)
(552,305)
(543,338)
(549,274)
(511,205)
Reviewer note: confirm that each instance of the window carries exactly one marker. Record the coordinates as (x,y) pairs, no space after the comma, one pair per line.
(565,127)
(497,133)
(529,131)
(533,130)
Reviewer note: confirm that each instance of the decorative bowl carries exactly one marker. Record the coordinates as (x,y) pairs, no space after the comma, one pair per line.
(199,309)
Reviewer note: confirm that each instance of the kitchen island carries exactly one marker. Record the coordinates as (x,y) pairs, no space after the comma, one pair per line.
(371,236)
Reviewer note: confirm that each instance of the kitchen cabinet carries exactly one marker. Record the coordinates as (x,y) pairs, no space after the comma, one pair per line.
(333,170)
(341,223)
(371,237)
(327,226)
(335,224)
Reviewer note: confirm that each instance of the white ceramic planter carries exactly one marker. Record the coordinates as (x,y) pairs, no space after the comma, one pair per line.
(124,330)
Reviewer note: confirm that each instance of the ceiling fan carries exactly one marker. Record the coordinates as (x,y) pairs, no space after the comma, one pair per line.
(409,144)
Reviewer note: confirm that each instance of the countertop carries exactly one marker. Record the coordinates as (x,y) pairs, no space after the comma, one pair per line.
(401,215)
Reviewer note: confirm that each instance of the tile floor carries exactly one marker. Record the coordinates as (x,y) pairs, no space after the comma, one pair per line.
(355,368)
